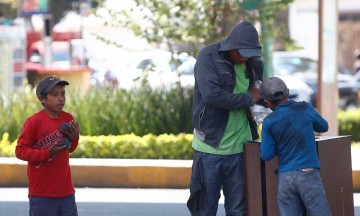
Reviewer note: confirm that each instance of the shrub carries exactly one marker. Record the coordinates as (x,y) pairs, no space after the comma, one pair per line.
(165,146)
(17,107)
(349,124)
(7,148)
(108,111)
(130,146)
(102,112)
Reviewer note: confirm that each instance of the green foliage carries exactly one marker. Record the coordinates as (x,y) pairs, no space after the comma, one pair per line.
(126,124)
(108,111)
(165,146)
(129,146)
(58,8)
(144,111)
(193,23)
(15,109)
(7,148)
(349,124)
(8,8)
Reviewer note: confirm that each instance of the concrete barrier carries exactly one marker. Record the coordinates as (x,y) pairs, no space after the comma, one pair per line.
(126,173)
(355,159)
(122,173)
(131,173)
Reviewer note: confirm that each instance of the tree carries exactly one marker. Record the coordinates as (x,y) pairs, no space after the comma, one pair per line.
(8,8)
(57,8)
(187,25)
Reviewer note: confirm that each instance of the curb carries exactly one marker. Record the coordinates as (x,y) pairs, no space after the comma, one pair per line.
(131,173)
(118,173)
(355,158)
(122,173)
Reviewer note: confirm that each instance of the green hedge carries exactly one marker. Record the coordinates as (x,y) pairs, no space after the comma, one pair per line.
(106,115)
(164,146)
(349,124)
(108,111)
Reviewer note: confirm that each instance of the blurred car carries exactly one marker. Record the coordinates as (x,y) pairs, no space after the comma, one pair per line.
(60,54)
(101,74)
(66,58)
(64,54)
(158,69)
(298,90)
(161,71)
(299,65)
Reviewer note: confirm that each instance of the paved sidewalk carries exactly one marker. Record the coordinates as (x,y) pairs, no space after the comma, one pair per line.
(128,195)
(355,158)
(118,202)
(110,202)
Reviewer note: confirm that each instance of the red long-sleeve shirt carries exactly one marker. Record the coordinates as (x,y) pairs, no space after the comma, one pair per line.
(47,176)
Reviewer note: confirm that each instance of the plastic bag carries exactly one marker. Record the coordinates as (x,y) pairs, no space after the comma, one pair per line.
(259,112)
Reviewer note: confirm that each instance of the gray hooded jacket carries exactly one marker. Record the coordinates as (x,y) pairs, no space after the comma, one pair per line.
(215,82)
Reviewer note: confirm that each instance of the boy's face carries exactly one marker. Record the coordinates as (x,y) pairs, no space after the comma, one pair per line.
(55,101)
(270,104)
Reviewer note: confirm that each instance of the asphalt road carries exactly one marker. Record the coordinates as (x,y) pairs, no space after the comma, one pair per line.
(110,202)
(118,202)
(105,209)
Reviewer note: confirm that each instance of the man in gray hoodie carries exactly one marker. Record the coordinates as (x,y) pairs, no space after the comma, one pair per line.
(224,91)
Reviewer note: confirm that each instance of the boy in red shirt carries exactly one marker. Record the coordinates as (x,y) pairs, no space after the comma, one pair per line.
(41,144)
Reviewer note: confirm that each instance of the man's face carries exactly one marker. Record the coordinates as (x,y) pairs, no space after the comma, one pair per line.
(236,58)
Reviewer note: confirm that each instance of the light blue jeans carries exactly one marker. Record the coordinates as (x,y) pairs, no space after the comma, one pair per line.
(299,192)
(226,172)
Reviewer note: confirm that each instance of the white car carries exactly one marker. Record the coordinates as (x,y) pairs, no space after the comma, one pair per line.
(157,68)
(298,90)
(304,67)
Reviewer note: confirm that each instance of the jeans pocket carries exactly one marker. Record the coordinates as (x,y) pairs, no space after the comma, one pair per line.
(311,185)
(311,175)
(283,191)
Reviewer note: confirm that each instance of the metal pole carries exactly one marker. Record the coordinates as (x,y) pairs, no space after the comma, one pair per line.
(47,40)
(267,48)
(320,47)
(327,95)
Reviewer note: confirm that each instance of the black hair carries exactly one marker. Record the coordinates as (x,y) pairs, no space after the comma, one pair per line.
(276,101)
(44,95)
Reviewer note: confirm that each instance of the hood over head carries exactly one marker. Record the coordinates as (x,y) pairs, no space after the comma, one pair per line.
(243,37)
